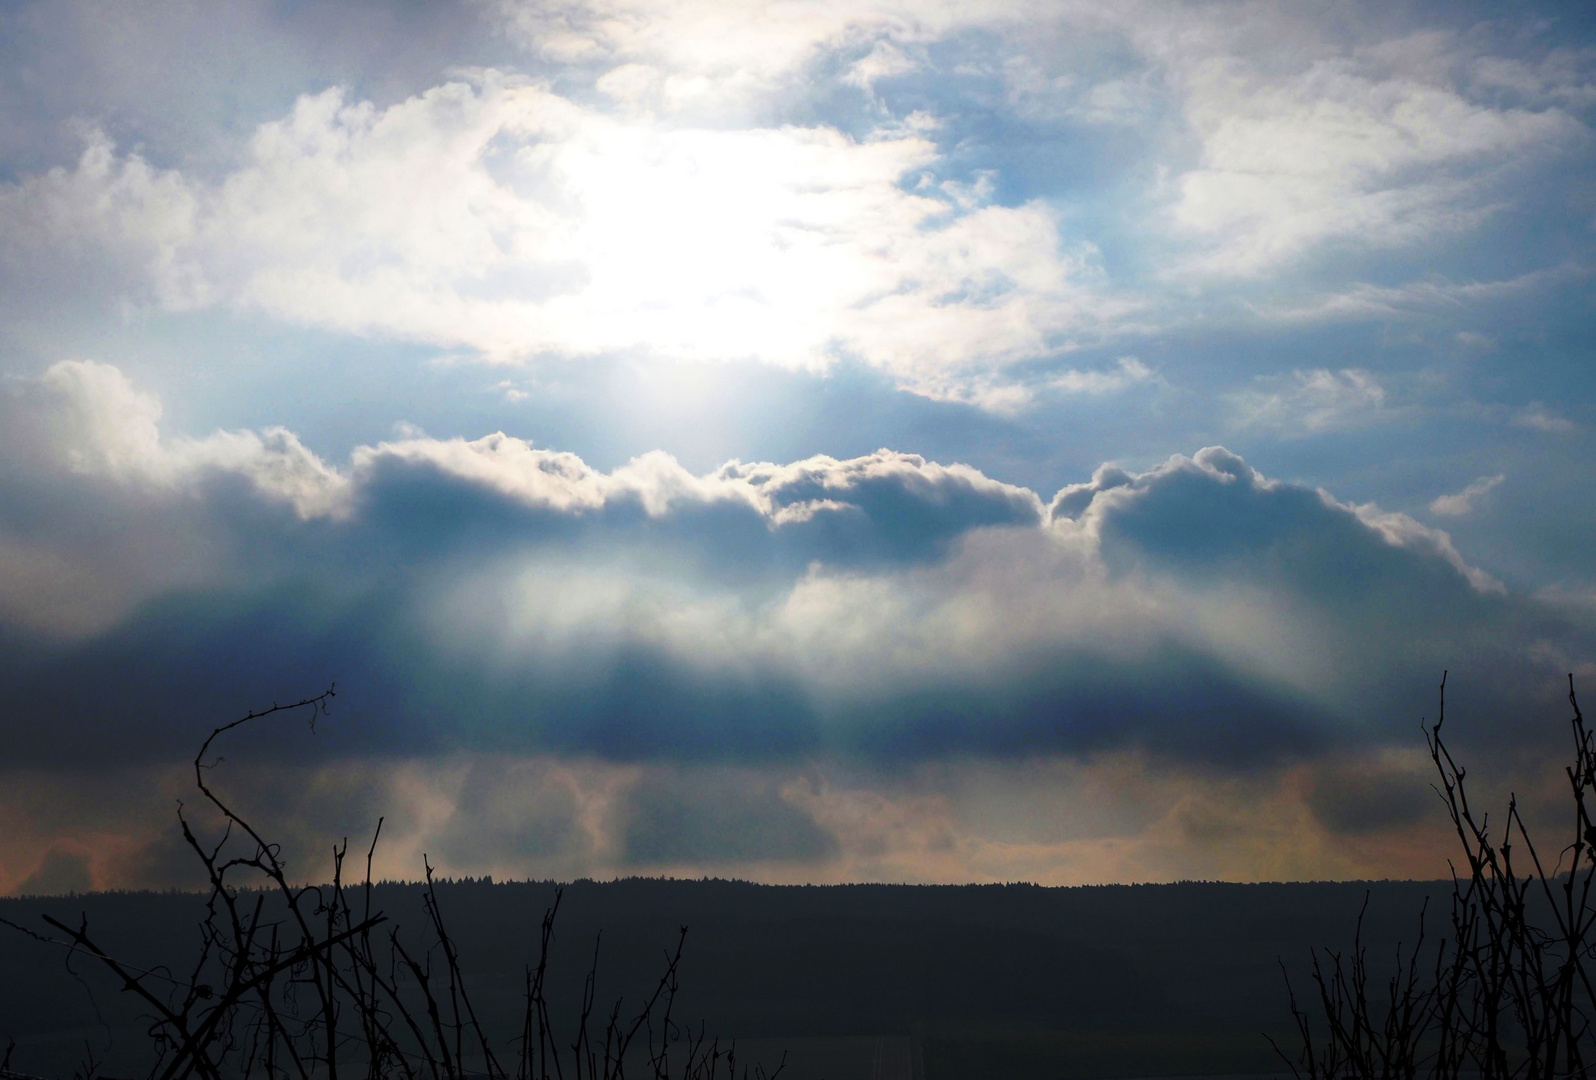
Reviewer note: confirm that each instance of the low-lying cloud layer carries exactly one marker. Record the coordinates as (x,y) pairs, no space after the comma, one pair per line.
(1060,820)
(699,662)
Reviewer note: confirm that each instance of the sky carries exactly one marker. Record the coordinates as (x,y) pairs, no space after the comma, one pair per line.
(804,441)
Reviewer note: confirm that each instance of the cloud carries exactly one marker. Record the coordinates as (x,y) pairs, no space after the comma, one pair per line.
(1363,301)
(490,595)
(865,669)
(501,217)
(108,513)
(744,183)
(1215,511)
(884,61)
(696,819)
(1371,794)
(1370,148)
(1537,417)
(728,55)
(85,419)
(1127,371)
(60,872)
(1282,139)
(1304,137)
(1052,819)
(107,428)
(865,665)
(1309,402)
(1463,503)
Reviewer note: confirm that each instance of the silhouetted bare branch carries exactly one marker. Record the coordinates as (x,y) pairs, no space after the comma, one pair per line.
(289,982)
(1509,994)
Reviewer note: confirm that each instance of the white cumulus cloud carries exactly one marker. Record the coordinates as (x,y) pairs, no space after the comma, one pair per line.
(501,217)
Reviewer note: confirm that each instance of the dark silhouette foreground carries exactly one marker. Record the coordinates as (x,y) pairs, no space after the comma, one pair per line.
(1506,994)
(312,982)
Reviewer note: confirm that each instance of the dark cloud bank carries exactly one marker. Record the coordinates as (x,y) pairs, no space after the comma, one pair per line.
(494,596)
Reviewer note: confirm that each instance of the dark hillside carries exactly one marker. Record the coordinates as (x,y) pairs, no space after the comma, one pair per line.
(1011,980)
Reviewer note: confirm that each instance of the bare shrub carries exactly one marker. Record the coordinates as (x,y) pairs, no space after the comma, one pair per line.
(308,982)
(1506,994)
